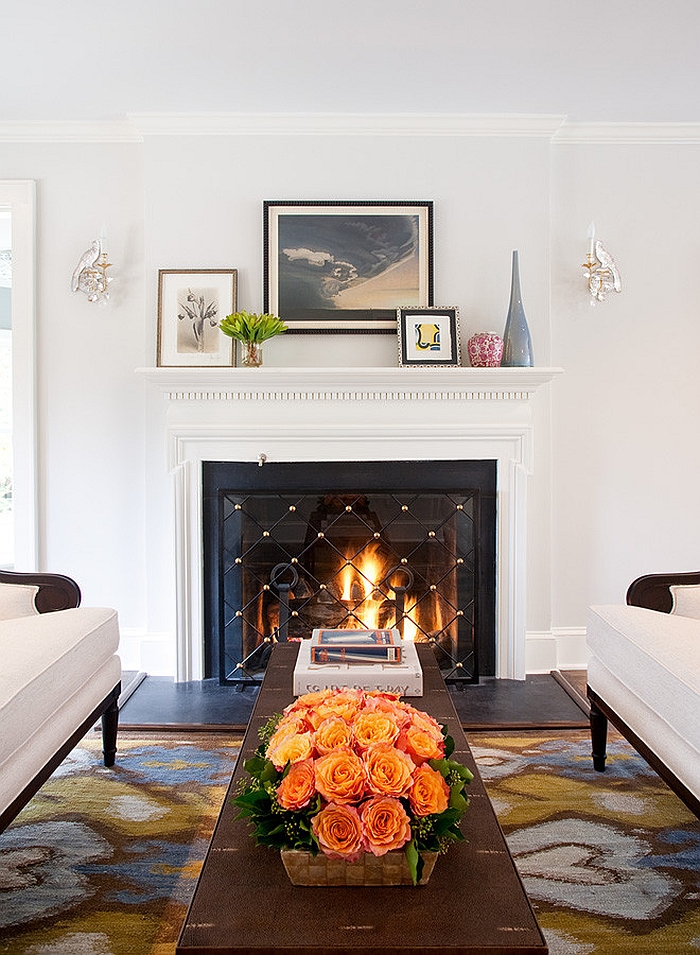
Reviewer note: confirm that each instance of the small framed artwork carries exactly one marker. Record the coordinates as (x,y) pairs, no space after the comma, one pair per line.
(346,266)
(428,336)
(191,303)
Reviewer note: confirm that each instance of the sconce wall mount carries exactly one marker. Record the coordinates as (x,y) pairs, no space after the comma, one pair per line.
(600,270)
(90,275)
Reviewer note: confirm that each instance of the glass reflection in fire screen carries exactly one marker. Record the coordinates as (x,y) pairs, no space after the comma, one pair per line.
(289,562)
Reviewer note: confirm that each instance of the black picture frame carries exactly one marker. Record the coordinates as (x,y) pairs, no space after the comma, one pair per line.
(428,337)
(346,266)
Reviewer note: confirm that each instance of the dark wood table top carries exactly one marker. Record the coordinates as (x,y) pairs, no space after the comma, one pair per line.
(474,902)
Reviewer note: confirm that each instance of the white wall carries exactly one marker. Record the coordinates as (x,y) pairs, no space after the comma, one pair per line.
(626,452)
(613,492)
(90,406)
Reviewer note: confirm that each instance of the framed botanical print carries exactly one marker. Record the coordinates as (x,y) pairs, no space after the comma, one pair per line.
(428,336)
(347,266)
(191,303)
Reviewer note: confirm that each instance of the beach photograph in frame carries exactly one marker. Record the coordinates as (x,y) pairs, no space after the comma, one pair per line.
(428,336)
(346,266)
(191,303)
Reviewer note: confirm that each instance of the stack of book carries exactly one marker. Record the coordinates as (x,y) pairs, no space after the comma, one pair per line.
(356,646)
(364,659)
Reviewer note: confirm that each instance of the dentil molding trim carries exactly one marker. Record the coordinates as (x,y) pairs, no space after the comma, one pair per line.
(348,384)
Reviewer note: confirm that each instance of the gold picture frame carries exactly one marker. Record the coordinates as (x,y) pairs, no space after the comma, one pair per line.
(191,303)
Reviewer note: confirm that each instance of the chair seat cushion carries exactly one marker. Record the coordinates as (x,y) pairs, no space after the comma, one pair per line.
(44,661)
(657,657)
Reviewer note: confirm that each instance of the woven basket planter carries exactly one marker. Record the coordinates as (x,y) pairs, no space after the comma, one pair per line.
(303,868)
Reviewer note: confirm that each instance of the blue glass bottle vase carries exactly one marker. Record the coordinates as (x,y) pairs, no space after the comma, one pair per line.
(517,344)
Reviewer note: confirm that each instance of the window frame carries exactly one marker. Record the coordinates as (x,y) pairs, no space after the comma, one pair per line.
(20,196)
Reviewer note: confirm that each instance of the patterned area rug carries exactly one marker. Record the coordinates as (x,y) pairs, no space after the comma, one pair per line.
(610,861)
(104,862)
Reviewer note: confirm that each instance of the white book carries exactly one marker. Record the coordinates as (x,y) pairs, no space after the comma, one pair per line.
(405,678)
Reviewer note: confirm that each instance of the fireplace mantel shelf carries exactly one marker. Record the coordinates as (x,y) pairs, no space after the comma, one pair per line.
(225,384)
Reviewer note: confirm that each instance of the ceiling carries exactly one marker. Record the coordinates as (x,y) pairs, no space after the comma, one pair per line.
(614,61)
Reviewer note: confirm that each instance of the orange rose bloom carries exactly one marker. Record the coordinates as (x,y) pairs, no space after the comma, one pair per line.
(420,746)
(288,726)
(308,701)
(388,770)
(306,708)
(297,788)
(385,825)
(344,703)
(430,793)
(338,830)
(290,749)
(386,703)
(340,776)
(374,727)
(426,723)
(331,733)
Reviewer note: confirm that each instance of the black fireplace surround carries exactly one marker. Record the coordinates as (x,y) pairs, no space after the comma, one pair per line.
(292,546)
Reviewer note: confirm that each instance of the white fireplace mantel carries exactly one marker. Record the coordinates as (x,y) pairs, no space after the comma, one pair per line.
(351,414)
(493,384)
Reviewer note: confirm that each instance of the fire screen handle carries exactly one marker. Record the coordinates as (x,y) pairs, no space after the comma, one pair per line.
(283,589)
(400,592)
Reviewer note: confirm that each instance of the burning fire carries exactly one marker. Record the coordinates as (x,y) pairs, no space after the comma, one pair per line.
(368,592)
(359,581)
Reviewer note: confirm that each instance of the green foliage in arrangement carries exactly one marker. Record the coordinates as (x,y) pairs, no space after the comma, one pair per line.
(251,327)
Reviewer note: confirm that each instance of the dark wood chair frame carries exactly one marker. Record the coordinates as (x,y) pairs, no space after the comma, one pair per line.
(57,592)
(653,592)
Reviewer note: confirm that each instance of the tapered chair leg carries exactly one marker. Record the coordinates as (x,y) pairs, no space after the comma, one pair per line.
(599,738)
(110,725)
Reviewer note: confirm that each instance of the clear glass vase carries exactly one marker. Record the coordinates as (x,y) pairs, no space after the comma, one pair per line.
(251,354)
(517,344)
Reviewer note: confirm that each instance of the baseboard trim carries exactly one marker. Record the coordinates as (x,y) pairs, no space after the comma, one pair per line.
(561,648)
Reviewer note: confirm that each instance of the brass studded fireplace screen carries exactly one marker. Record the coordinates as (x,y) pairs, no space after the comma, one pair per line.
(348,545)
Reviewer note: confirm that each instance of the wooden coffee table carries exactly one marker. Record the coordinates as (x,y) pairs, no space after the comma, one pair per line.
(473,903)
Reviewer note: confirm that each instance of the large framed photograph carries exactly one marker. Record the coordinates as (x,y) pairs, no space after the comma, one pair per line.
(428,336)
(346,266)
(191,303)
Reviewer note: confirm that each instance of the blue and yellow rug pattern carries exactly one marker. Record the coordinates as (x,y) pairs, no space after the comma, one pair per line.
(104,861)
(610,861)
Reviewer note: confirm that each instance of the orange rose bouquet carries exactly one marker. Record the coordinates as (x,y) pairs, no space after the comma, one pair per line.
(346,771)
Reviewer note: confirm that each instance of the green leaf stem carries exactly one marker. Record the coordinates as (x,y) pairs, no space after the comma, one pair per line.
(251,326)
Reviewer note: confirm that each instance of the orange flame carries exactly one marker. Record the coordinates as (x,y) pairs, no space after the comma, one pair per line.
(359,579)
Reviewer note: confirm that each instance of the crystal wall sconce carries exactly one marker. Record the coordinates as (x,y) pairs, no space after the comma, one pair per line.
(90,275)
(600,270)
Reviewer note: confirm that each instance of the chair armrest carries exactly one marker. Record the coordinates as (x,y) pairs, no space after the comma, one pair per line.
(56,592)
(653,590)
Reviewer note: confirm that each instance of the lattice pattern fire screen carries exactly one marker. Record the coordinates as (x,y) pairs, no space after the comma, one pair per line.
(291,561)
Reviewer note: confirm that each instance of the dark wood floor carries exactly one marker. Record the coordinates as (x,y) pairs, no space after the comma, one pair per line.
(555,700)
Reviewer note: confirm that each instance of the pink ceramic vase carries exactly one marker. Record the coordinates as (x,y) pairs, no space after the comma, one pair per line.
(485,350)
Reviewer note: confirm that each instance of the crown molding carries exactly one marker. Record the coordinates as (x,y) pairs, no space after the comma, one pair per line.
(636,134)
(135,127)
(345,124)
(80,131)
